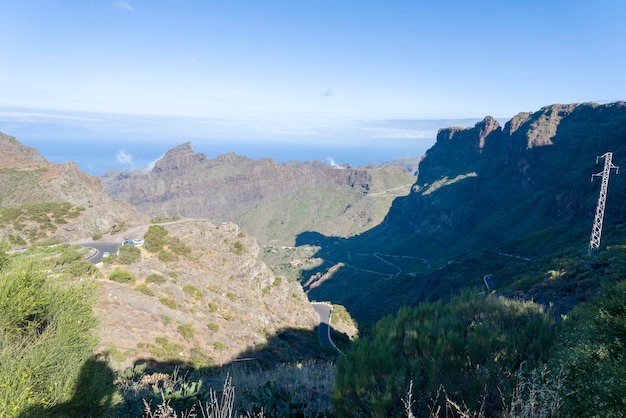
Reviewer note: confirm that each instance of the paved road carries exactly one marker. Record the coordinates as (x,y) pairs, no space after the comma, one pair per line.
(101,248)
(324,311)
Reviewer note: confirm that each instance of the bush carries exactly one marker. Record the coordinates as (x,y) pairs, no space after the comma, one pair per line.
(154,239)
(128,254)
(593,352)
(166,256)
(122,276)
(470,347)
(156,279)
(169,302)
(82,268)
(213,326)
(46,344)
(187,331)
(145,290)
(192,291)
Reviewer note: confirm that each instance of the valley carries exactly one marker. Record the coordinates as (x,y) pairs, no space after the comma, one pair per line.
(235,250)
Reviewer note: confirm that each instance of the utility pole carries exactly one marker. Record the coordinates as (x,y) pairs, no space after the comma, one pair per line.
(596,231)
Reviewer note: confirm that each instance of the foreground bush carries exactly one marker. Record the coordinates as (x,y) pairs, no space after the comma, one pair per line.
(46,345)
(593,353)
(471,348)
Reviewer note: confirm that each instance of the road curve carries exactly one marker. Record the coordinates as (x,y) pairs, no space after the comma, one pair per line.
(324,311)
(100,248)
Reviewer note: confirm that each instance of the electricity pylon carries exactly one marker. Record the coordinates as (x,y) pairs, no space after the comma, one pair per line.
(596,231)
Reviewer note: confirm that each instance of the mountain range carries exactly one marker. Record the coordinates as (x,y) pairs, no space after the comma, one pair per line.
(508,203)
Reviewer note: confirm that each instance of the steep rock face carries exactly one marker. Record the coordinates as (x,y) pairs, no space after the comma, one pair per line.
(272,201)
(485,184)
(27,178)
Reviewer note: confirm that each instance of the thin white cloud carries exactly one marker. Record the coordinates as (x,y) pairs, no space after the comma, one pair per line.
(123,5)
(124,158)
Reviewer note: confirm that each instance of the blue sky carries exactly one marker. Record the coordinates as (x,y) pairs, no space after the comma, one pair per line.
(271,73)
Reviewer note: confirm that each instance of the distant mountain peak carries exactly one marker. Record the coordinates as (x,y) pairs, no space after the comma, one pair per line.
(177,157)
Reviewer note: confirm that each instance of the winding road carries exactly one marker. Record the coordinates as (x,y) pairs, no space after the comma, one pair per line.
(324,311)
(101,248)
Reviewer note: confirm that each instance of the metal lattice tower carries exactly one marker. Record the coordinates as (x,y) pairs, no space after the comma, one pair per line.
(596,231)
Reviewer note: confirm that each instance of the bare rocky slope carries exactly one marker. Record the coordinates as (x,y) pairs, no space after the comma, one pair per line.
(272,201)
(209,302)
(213,304)
(27,178)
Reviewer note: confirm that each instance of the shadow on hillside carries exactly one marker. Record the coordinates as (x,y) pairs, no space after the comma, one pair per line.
(93,395)
(97,384)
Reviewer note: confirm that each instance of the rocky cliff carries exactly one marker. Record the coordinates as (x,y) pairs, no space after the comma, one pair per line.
(488,199)
(484,185)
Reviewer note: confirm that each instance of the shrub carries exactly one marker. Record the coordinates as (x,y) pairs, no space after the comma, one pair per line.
(213,307)
(187,331)
(470,347)
(128,254)
(154,239)
(593,352)
(219,345)
(119,227)
(166,256)
(122,276)
(213,326)
(169,302)
(192,291)
(231,296)
(239,248)
(96,236)
(82,268)
(143,288)
(40,319)
(156,279)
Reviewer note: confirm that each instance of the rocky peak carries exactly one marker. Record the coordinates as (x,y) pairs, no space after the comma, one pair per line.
(177,157)
(16,155)
(469,138)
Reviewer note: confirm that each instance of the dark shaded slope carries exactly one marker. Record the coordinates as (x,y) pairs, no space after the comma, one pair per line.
(487,199)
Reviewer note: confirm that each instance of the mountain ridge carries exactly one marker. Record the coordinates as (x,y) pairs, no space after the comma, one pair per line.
(273,201)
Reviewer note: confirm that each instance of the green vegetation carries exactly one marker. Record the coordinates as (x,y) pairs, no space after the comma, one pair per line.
(213,326)
(186,330)
(592,351)
(128,254)
(193,291)
(470,347)
(156,279)
(231,296)
(40,319)
(163,219)
(167,247)
(169,302)
(122,276)
(162,349)
(45,215)
(143,288)
(119,227)
(239,248)
(213,307)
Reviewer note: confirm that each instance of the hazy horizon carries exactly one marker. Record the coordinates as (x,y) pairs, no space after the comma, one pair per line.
(99,142)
